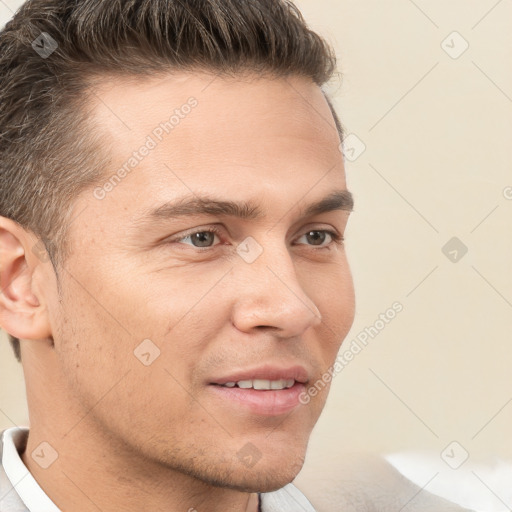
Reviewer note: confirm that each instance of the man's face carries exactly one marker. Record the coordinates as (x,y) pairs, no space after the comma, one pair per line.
(268,292)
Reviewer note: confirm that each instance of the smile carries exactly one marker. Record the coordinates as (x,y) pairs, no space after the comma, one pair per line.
(262,401)
(261,384)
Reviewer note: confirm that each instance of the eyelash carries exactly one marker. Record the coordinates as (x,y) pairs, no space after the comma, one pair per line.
(336,238)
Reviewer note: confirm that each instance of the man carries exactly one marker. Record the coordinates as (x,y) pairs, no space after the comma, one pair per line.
(173,275)
(173,205)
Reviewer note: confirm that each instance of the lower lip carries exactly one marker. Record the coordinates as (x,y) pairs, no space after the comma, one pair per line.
(272,402)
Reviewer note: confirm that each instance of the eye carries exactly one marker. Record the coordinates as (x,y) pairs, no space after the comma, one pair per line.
(201,238)
(205,238)
(319,236)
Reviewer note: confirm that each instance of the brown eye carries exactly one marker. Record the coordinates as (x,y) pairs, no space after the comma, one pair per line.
(316,237)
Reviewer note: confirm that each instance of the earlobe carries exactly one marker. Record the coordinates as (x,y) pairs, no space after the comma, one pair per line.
(22,311)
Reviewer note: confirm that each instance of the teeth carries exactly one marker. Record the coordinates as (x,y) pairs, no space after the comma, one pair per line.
(261,384)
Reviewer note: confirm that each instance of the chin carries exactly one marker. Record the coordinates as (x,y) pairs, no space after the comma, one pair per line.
(266,477)
(258,482)
(277,464)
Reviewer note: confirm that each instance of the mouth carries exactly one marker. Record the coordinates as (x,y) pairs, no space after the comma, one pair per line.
(261,384)
(264,391)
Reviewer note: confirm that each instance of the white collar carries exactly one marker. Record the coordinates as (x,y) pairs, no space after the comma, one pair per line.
(14,441)
(287,498)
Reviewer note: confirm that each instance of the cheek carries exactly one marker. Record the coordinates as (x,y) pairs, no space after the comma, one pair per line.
(345,300)
(334,297)
(168,299)
(111,384)
(332,290)
(94,346)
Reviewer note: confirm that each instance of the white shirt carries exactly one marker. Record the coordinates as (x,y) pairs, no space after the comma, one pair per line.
(19,491)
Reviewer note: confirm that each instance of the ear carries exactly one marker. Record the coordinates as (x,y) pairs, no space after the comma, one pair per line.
(23,311)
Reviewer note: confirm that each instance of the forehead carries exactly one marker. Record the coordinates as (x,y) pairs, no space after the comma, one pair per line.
(243,107)
(174,135)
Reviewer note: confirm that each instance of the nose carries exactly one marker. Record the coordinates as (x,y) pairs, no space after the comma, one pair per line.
(270,296)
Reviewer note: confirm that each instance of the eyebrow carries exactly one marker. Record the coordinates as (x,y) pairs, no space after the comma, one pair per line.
(207,205)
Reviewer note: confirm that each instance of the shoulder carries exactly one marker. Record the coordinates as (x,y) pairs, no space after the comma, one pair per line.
(368,483)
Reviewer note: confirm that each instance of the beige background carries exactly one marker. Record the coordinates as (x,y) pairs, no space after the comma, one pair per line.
(438,134)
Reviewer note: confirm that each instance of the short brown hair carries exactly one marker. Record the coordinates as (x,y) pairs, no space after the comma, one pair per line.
(52,51)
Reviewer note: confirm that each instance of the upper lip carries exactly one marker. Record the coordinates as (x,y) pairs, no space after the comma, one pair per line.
(266,372)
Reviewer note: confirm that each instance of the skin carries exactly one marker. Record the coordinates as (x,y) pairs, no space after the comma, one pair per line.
(133,437)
